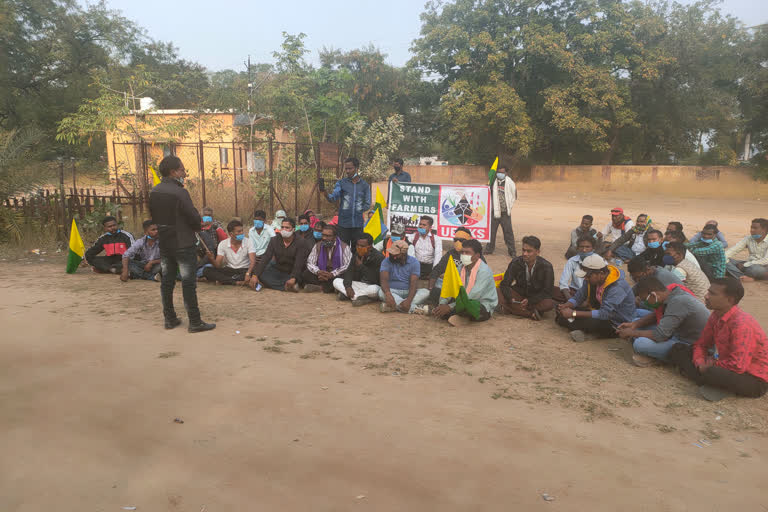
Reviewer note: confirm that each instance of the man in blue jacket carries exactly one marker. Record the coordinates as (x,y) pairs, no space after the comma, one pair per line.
(609,299)
(354,196)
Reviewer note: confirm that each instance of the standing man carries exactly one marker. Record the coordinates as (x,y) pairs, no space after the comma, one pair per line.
(177,221)
(399,176)
(354,196)
(504,195)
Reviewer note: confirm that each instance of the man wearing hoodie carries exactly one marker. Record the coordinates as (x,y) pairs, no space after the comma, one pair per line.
(609,297)
(114,242)
(504,195)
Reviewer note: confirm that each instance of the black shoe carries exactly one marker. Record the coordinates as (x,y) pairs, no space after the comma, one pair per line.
(174,322)
(201,327)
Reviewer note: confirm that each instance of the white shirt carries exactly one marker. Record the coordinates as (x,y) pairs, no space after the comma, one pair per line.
(758,252)
(690,257)
(611,233)
(234,259)
(258,242)
(569,279)
(424,251)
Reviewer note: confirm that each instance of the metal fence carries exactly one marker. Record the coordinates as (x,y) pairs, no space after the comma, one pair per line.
(235,178)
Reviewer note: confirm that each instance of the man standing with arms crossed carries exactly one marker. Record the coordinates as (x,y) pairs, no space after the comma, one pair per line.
(177,222)
(503,194)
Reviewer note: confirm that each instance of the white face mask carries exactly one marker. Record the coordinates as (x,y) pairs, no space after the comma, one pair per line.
(286,233)
(466,260)
(500,176)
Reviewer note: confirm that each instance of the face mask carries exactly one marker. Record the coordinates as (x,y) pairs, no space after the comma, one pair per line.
(654,245)
(286,233)
(458,246)
(466,260)
(757,237)
(394,259)
(665,245)
(422,231)
(707,240)
(395,238)
(207,218)
(149,237)
(668,260)
(583,255)
(649,305)
(240,237)
(303,227)
(258,224)
(180,180)
(500,176)
(328,243)
(397,168)
(317,234)
(363,251)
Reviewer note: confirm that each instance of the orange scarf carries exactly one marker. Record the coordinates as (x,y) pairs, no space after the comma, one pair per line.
(472,276)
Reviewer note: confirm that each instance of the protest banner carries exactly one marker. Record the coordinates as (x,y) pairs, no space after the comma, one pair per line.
(451,206)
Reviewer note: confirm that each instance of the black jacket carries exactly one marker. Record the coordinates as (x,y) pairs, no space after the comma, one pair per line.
(112,245)
(289,260)
(367,272)
(654,257)
(542,280)
(177,219)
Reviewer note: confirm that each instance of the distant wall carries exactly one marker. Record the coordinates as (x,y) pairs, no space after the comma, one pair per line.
(455,174)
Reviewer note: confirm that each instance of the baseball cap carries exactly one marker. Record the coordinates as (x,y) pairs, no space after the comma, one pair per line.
(592,262)
(397,248)
(617,211)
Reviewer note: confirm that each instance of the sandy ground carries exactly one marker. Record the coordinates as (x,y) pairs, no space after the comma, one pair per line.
(304,403)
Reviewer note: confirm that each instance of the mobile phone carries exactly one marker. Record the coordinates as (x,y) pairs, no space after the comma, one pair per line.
(258,287)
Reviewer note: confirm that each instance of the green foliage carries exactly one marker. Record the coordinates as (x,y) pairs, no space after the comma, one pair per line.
(383,137)
(17,176)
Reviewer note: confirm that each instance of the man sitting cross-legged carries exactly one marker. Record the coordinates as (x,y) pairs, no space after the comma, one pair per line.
(142,259)
(328,259)
(114,242)
(282,264)
(609,298)
(399,275)
(361,280)
(526,289)
(259,237)
(732,352)
(676,316)
(477,279)
(709,252)
(756,264)
(654,251)
(435,277)
(570,282)
(232,261)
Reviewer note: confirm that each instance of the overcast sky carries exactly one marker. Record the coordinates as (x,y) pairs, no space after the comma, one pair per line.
(220,35)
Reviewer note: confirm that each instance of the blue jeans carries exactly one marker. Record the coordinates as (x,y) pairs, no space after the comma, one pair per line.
(755,271)
(624,253)
(273,278)
(422,294)
(640,313)
(185,262)
(136,269)
(657,350)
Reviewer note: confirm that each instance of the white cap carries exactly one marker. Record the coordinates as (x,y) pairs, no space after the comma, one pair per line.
(591,262)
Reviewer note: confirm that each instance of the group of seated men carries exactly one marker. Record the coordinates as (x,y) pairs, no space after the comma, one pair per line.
(666,315)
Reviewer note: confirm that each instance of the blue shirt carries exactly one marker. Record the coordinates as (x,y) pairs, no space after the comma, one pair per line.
(354,199)
(400,275)
(618,304)
(404,177)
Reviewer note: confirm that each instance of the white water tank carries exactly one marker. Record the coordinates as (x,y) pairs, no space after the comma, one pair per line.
(146,103)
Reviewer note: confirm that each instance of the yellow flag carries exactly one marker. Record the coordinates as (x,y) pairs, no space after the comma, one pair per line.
(451,281)
(495,164)
(380,198)
(375,225)
(76,249)
(155,177)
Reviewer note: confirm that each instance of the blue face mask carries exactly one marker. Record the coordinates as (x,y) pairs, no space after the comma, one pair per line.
(422,231)
(654,245)
(207,218)
(665,245)
(707,240)
(583,255)
(318,235)
(240,237)
(395,238)
(757,237)
(668,260)
(303,227)
(258,224)
(149,237)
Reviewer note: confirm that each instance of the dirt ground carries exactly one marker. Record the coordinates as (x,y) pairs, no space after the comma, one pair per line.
(300,402)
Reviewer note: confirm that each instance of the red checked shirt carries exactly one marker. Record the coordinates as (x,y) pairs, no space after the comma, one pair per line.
(741,344)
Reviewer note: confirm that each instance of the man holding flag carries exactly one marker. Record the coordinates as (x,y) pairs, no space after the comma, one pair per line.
(504,195)
(469,295)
